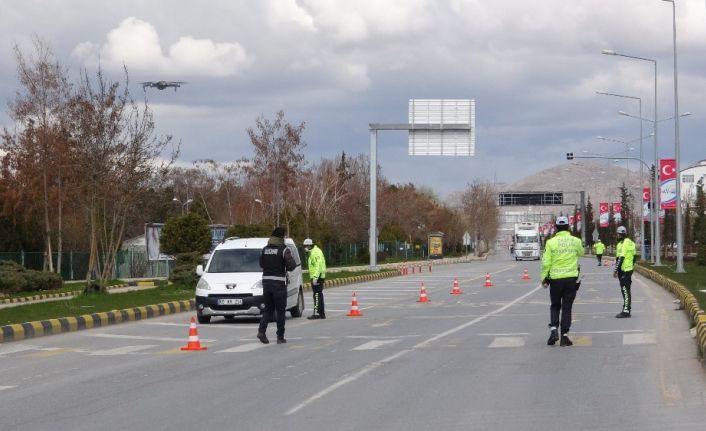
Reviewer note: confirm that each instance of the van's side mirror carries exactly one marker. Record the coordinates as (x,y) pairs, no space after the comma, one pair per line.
(199,270)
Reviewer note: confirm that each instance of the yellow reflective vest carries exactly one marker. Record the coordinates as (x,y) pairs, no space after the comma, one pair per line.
(627,251)
(600,248)
(317,263)
(561,256)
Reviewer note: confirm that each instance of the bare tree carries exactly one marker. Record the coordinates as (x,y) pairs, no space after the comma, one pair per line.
(278,158)
(116,155)
(40,105)
(480,206)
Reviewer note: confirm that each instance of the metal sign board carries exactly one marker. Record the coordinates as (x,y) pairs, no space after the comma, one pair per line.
(442,127)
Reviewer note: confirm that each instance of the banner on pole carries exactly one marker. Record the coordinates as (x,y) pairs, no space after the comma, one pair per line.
(646,203)
(617,207)
(603,214)
(668,183)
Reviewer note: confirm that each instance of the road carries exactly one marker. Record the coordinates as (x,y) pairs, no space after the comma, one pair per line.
(473,361)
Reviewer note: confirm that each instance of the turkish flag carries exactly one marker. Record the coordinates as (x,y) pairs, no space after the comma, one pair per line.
(668,183)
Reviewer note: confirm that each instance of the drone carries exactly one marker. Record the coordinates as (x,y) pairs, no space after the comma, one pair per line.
(161,85)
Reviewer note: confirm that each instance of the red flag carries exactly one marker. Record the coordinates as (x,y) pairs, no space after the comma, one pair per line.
(668,183)
(617,206)
(603,213)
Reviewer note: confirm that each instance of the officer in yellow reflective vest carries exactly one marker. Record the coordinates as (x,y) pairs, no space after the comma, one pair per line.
(317,275)
(560,272)
(624,265)
(599,247)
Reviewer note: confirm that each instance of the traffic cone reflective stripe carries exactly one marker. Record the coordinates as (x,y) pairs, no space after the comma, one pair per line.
(194,343)
(525,275)
(423,295)
(488,283)
(354,308)
(456,289)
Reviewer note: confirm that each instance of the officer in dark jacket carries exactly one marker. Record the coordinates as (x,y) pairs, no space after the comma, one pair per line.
(275,261)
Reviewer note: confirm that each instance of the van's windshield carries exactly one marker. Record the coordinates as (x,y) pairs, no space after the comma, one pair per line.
(527,238)
(236,260)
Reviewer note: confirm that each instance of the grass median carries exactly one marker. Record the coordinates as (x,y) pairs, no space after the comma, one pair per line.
(100,302)
(694,279)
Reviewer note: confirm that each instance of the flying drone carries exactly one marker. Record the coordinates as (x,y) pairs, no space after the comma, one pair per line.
(161,85)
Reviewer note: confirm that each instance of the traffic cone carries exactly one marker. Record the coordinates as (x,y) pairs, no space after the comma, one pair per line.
(525,275)
(423,295)
(194,343)
(456,290)
(354,308)
(488,283)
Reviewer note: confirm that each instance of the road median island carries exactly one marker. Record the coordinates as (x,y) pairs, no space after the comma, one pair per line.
(688,302)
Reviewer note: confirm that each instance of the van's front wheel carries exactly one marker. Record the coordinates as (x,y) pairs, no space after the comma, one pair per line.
(298,310)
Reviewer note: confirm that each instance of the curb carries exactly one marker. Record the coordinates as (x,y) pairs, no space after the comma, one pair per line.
(52,295)
(355,279)
(21,331)
(688,303)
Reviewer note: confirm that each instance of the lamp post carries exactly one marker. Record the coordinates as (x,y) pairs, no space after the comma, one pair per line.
(655,181)
(183,204)
(680,228)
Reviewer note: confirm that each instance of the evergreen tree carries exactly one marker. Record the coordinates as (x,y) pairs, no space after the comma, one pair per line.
(589,224)
(700,224)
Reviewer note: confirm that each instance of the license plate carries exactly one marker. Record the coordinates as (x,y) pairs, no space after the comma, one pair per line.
(230,301)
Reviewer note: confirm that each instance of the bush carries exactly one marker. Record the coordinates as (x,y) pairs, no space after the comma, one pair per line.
(14,279)
(185,269)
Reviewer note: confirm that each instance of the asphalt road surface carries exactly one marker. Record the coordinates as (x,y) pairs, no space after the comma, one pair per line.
(477,361)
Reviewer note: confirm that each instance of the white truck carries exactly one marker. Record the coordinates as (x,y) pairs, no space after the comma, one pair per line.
(526,241)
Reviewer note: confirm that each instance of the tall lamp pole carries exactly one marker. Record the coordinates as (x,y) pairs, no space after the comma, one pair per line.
(655,180)
(642,222)
(680,228)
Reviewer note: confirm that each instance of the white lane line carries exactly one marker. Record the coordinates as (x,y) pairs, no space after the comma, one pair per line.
(644,338)
(509,334)
(243,348)
(2,388)
(125,350)
(499,342)
(380,337)
(372,345)
(140,337)
(371,367)
(345,381)
(6,350)
(186,325)
(617,331)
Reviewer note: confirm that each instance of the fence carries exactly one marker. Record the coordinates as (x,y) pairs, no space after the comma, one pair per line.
(74,265)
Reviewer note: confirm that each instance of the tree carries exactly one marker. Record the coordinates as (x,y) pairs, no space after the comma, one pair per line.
(589,223)
(278,158)
(480,207)
(700,224)
(39,113)
(116,159)
(186,237)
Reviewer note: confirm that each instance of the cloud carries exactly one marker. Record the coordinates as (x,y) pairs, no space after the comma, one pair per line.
(135,43)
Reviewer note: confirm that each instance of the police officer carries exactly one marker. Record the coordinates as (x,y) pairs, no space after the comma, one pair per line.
(317,274)
(624,265)
(275,261)
(560,271)
(600,249)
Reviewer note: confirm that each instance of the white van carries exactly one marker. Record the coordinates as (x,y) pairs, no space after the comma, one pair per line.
(231,283)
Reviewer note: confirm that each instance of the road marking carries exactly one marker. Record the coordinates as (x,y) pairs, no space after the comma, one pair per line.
(373,366)
(372,345)
(509,334)
(243,348)
(125,350)
(507,342)
(385,323)
(640,338)
(18,348)
(582,341)
(140,337)
(2,388)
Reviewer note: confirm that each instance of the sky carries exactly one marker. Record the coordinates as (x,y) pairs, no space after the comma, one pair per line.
(533,68)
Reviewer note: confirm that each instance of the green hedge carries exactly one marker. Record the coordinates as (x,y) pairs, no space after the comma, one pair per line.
(14,279)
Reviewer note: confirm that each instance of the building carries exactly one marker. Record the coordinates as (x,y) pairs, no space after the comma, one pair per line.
(690,177)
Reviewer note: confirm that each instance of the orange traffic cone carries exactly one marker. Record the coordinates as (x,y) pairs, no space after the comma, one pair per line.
(354,308)
(456,289)
(488,283)
(525,275)
(423,295)
(194,343)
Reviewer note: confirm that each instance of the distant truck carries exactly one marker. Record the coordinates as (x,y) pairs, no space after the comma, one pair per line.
(527,241)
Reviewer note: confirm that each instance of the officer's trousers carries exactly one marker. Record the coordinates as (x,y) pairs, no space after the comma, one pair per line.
(625,279)
(562,293)
(318,290)
(275,297)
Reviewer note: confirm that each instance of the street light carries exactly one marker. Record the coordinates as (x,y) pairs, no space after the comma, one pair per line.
(185,204)
(680,228)
(655,180)
(642,222)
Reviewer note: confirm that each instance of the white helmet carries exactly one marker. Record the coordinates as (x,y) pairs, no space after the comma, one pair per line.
(308,241)
(622,230)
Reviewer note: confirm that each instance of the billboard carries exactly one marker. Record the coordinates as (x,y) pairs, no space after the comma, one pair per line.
(668,183)
(154,230)
(435,246)
(431,115)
